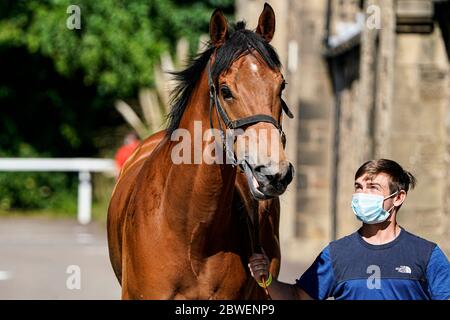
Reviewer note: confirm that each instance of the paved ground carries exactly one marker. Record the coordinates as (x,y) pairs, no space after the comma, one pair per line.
(36,255)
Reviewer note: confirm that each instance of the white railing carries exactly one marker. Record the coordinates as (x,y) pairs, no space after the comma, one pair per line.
(84,167)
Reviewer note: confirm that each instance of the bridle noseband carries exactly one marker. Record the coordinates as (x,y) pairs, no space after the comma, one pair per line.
(239,123)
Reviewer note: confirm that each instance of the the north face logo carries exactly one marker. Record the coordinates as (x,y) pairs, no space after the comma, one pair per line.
(403,269)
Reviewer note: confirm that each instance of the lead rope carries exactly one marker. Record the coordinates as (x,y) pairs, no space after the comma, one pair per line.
(256,246)
(266,291)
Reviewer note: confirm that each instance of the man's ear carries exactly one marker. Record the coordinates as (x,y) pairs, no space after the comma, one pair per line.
(266,23)
(400,198)
(218,28)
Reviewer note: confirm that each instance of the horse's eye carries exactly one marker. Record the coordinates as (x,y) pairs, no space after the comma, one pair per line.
(226,93)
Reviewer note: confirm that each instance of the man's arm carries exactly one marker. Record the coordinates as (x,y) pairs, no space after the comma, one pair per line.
(317,282)
(284,291)
(438,275)
(259,265)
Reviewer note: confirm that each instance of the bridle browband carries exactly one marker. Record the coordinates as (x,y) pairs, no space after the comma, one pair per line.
(239,123)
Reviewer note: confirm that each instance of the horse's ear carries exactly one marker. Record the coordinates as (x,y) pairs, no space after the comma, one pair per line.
(266,23)
(218,28)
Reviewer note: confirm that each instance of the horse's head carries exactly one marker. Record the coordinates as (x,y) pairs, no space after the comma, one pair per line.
(246,86)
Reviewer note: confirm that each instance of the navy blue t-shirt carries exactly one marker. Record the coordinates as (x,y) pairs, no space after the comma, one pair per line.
(407,268)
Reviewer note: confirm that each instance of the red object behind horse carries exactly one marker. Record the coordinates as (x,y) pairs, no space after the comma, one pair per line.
(131,142)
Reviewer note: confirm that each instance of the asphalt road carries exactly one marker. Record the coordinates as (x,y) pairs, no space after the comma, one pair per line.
(36,255)
(43,258)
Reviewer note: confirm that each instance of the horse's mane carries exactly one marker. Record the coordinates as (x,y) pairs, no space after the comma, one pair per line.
(240,42)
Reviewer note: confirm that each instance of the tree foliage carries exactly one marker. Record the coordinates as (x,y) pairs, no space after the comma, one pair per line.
(118,43)
(57,85)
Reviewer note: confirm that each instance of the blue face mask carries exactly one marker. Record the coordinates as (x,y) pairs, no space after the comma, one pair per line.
(368,208)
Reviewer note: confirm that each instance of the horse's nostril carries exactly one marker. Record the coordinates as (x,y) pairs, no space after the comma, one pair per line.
(263,171)
(289,175)
(258,169)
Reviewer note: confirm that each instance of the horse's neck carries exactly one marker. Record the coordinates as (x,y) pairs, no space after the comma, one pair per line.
(209,187)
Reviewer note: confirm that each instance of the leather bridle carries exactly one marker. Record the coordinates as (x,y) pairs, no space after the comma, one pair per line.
(239,123)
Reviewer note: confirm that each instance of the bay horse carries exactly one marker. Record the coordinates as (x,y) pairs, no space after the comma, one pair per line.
(184,231)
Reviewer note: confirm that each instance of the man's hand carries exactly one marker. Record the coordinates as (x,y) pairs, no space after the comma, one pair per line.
(259,266)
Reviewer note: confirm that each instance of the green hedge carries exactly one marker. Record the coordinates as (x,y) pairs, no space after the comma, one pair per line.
(37,190)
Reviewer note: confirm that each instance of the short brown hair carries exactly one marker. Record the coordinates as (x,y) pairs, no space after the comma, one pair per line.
(400,178)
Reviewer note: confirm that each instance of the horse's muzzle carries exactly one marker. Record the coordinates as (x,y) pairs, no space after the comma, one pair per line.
(265,182)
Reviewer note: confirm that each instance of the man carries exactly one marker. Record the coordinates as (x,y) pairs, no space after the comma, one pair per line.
(381,260)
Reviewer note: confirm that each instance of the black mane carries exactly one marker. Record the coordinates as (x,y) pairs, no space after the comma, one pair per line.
(240,42)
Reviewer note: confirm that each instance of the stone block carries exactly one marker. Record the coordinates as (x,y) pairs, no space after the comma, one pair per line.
(311,110)
(312,156)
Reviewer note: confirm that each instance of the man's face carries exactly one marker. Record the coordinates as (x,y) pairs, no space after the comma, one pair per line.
(378,185)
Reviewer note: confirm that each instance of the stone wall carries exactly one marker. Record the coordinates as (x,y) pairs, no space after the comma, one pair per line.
(403,94)
(419,131)
(311,92)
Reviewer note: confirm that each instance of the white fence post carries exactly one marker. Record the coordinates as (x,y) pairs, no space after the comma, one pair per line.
(84,197)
